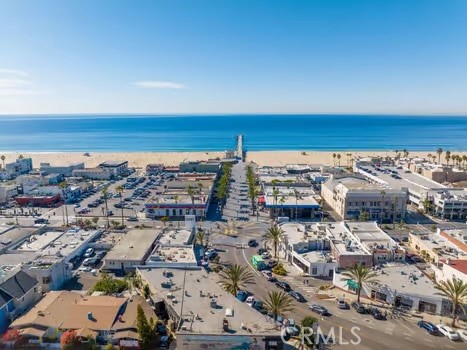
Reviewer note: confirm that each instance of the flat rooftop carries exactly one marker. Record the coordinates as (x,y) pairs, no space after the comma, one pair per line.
(318,257)
(172,254)
(9,236)
(370,234)
(343,241)
(38,241)
(205,303)
(133,245)
(175,237)
(406,278)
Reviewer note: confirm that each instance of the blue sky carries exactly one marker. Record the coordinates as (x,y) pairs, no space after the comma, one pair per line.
(233,56)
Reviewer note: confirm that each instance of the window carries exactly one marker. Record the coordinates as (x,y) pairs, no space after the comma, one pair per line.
(314,271)
(46,280)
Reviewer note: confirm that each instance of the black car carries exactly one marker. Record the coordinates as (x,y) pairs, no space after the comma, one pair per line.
(284,285)
(377,314)
(261,251)
(319,309)
(359,308)
(429,327)
(252,243)
(297,296)
(272,263)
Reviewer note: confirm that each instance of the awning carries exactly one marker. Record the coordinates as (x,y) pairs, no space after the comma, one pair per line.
(126,334)
(86,332)
(352,284)
(261,200)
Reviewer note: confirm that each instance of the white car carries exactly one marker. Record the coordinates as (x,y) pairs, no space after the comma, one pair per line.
(267,274)
(448,332)
(462,334)
(250,300)
(265,255)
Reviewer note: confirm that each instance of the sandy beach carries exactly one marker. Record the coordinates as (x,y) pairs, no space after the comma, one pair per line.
(140,159)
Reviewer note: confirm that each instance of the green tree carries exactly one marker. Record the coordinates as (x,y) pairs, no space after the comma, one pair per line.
(364,216)
(359,274)
(95,220)
(192,193)
(109,285)
(63,186)
(235,278)
(275,196)
(146,291)
(339,159)
(456,291)
(3,160)
(109,347)
(439,151)
(200,238)
(274,236)
(278,303)
(105,192)
(164,220)
(447,156)
(119,189)
(143,327)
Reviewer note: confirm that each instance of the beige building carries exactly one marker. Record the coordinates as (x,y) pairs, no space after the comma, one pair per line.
(351,195)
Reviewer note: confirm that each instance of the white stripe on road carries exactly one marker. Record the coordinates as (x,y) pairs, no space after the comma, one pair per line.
(410,330)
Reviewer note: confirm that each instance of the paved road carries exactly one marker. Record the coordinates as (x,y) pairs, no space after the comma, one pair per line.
(391,334)
(238,206)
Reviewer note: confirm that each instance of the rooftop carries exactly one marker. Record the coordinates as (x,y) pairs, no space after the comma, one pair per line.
(170,254)
(175,237)
(134,245)
(113,163)
(205,303)
(9,236)
(370,235)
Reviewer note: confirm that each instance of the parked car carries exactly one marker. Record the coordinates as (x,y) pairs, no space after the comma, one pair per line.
(297,296)
(242,295)
(359,308)
(261,251)
(272,263)
(462,334)
(89,252)
(429,327)
(258,305)
(250,300)
(342,304)
(265,255)
(448,332)
(267,274)
(284,285)
(319,309)
(252,243)
(377,314)
(132,218)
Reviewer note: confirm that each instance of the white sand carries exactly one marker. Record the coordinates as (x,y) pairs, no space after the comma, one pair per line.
(140,159)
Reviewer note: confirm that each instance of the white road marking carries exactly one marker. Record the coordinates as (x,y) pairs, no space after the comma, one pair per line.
(410,330)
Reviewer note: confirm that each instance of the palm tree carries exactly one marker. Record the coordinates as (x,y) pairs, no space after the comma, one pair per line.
(275,196)
(200,238)
(439,151)
(3,160)
(448,157)
(456,291)
(360,274)
(429,157)
(191,192)
(334,158)
(278,303)
(63,186)
(282,201)
(339,159)
(105,192)
(274,236)
(235,278)
(464,160)
(146,291)
(405,152)
(119,189)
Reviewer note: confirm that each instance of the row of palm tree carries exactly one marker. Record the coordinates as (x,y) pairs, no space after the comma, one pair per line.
(250,177)
(237,277)
(224,182)
(455,289)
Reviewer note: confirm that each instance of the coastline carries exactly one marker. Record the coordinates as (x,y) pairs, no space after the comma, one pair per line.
(141,159)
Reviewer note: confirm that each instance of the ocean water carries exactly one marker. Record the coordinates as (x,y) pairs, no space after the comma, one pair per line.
(133,133)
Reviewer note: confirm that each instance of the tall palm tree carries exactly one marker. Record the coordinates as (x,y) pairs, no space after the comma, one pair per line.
(235,278)
(334,158)
(405,152)
(278,303)
(282,201)
(464,160)
(275,196)
(456,291)
(119,189)
(3,160)
(63,186)
(429,157)
(274,236)
(105,192)
(439,151)
(360,274)
(339,159)
(447,156)
(191,192)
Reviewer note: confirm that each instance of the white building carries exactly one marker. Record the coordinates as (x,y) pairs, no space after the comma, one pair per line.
(116,168)
(18,167)
(92,174)
(352,195)
(65,170)
(6,192)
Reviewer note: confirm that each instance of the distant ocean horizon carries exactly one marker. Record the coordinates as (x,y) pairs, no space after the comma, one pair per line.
(262,132)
